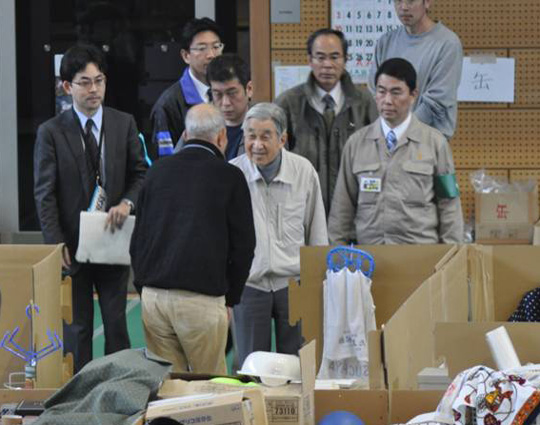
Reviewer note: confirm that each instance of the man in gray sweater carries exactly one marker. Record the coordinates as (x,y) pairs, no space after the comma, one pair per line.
(436,54)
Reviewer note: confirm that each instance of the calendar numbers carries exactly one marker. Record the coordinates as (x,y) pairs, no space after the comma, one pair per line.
(363,22)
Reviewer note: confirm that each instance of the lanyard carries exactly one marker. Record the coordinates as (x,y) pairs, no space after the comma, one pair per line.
(95,164)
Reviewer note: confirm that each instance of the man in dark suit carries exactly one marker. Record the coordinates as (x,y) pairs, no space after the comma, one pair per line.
(87,149)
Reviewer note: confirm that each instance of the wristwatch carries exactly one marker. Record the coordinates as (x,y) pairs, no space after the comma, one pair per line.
(131,204)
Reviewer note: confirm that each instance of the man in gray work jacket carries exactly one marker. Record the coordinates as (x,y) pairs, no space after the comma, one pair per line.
(397,181)
(325,110)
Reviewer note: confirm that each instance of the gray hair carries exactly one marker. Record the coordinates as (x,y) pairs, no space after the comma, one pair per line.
(204,122)
(268,111)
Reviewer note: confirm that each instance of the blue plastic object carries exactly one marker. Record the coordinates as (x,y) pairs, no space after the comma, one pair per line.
(145,151)
(347,256)
(30,355)
(341,417)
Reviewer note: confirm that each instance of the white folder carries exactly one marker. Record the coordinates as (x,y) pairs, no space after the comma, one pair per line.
(100,246)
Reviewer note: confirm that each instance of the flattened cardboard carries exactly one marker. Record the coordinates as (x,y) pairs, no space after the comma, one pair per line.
(32,272)
(505,218)
(394,280)
(406,404)
(502,277)
(450,338)
(371,406)
(408,335)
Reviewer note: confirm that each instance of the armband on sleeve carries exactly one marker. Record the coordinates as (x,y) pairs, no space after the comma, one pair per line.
(446,186)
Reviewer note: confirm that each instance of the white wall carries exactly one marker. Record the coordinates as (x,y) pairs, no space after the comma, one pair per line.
(9,199)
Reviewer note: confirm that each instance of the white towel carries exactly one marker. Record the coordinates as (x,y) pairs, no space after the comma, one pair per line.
(349,314)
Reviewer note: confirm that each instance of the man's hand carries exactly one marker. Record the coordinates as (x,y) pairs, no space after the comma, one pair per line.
(117,216)
(66,258)
(229,314)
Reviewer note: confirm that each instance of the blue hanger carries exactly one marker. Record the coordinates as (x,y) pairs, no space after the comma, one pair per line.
(345,256)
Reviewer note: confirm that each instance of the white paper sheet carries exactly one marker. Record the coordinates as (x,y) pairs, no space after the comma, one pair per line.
(99,246)
(286,77)
(487,81)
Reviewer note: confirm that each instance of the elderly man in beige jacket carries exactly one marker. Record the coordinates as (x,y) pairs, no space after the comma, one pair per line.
(396,183)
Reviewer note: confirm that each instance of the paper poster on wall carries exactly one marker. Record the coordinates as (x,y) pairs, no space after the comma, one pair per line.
(363,22)
(287,76)
(487,80)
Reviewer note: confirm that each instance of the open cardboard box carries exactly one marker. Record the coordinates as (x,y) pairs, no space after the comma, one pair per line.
(414,286)
(290,404)
(33,273)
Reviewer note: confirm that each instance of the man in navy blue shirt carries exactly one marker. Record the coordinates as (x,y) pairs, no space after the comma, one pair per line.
(231,89)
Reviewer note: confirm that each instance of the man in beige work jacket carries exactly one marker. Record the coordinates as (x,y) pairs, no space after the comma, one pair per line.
(396,183)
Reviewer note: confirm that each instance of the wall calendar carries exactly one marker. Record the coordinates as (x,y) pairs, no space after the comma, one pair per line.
(363,22)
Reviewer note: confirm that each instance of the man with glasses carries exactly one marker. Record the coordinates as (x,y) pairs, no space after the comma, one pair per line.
(86,151)
(231,88)
(200,43)
(436,54)
(324,111)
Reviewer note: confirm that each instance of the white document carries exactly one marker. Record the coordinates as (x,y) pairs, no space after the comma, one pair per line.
(286,77)
(487,81)
(100,246)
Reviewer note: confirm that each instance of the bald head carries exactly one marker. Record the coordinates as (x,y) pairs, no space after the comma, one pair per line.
(205,122)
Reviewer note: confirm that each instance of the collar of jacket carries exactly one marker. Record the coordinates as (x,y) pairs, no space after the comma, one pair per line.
(206,145)
(191,95)
(350,91)
(413,132)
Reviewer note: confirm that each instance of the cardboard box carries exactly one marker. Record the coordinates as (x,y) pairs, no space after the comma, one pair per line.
(414,286)
(33,273)
(245,407)
(371,406)
(505,218)
(293,404)
(406,404)
(210,408)
(536,233)
(500,277)
(450,338)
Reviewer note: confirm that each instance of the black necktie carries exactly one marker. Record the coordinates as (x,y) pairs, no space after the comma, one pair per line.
(328,113)
(91,151)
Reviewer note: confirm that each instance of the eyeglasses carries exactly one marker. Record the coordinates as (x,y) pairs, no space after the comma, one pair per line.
(321,58)
(205,48)
(407,2)
(87,83)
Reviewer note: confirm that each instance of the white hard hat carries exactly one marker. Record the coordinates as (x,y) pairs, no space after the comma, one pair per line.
(274,369)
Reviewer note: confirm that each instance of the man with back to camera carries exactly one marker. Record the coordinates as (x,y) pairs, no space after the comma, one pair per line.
(325,110)
(192,247)
(397,181)
(289,213)
(200,42)
(436,54)
(86,149)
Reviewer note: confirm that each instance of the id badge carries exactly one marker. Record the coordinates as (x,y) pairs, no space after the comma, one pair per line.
(370,184)
(99,200)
